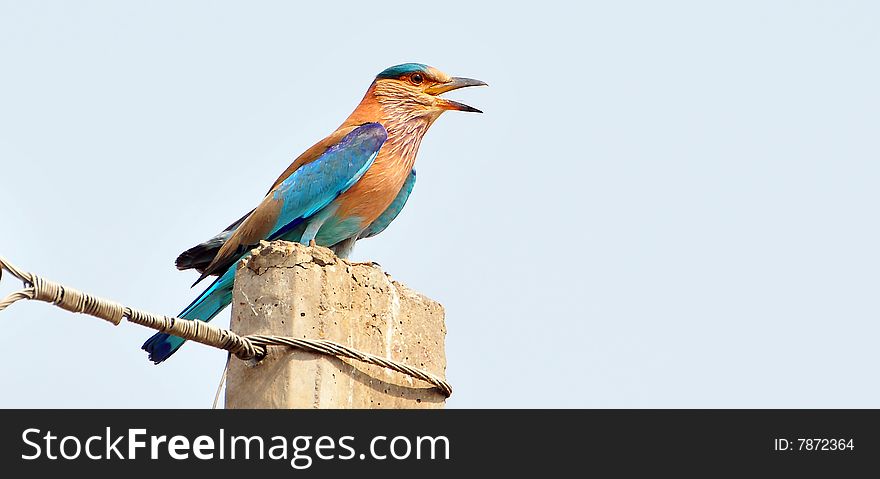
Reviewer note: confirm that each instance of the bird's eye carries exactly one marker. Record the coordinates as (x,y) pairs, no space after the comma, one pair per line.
(416,78)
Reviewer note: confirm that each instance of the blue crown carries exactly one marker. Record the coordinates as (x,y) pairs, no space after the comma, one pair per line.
(397,70)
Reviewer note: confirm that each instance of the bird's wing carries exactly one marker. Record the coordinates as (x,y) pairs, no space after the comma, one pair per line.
(302,191)
(200,256)
(393,209)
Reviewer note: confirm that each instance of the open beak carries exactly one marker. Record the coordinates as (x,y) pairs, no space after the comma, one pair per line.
(454,84)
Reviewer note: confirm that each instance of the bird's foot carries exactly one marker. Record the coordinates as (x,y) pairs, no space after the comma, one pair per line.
(371,264)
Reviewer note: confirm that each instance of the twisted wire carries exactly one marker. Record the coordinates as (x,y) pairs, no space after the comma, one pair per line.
(243,347)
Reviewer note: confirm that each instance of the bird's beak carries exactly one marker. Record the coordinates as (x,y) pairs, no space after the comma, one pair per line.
(454,84)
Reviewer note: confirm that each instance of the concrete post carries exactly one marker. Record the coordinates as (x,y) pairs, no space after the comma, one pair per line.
(288,289)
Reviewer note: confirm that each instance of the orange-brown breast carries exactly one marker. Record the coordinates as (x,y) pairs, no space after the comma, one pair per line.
(375,191)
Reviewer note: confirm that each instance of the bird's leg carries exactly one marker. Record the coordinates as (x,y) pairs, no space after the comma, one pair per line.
(315,224)
(344,248)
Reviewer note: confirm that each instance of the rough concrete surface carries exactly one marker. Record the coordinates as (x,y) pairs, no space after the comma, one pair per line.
(288,289)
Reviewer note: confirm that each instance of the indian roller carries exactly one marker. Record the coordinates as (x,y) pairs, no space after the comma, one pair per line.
(346,187)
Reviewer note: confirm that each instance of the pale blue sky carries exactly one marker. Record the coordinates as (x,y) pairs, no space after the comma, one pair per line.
(666,204)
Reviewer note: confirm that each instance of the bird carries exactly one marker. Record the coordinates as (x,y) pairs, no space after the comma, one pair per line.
(348,186)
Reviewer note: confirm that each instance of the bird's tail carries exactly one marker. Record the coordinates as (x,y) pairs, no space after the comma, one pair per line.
(207,305)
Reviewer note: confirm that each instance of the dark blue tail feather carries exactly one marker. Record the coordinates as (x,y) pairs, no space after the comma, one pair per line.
(207,305)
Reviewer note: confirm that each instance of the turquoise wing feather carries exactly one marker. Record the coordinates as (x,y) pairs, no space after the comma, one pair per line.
(314,185)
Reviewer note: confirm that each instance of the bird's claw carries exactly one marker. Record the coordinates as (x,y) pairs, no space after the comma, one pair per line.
(371,264)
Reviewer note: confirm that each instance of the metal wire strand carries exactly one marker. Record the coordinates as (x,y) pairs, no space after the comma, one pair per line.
(243,347)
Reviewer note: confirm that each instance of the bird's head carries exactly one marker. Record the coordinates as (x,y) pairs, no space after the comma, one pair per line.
(414,89)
